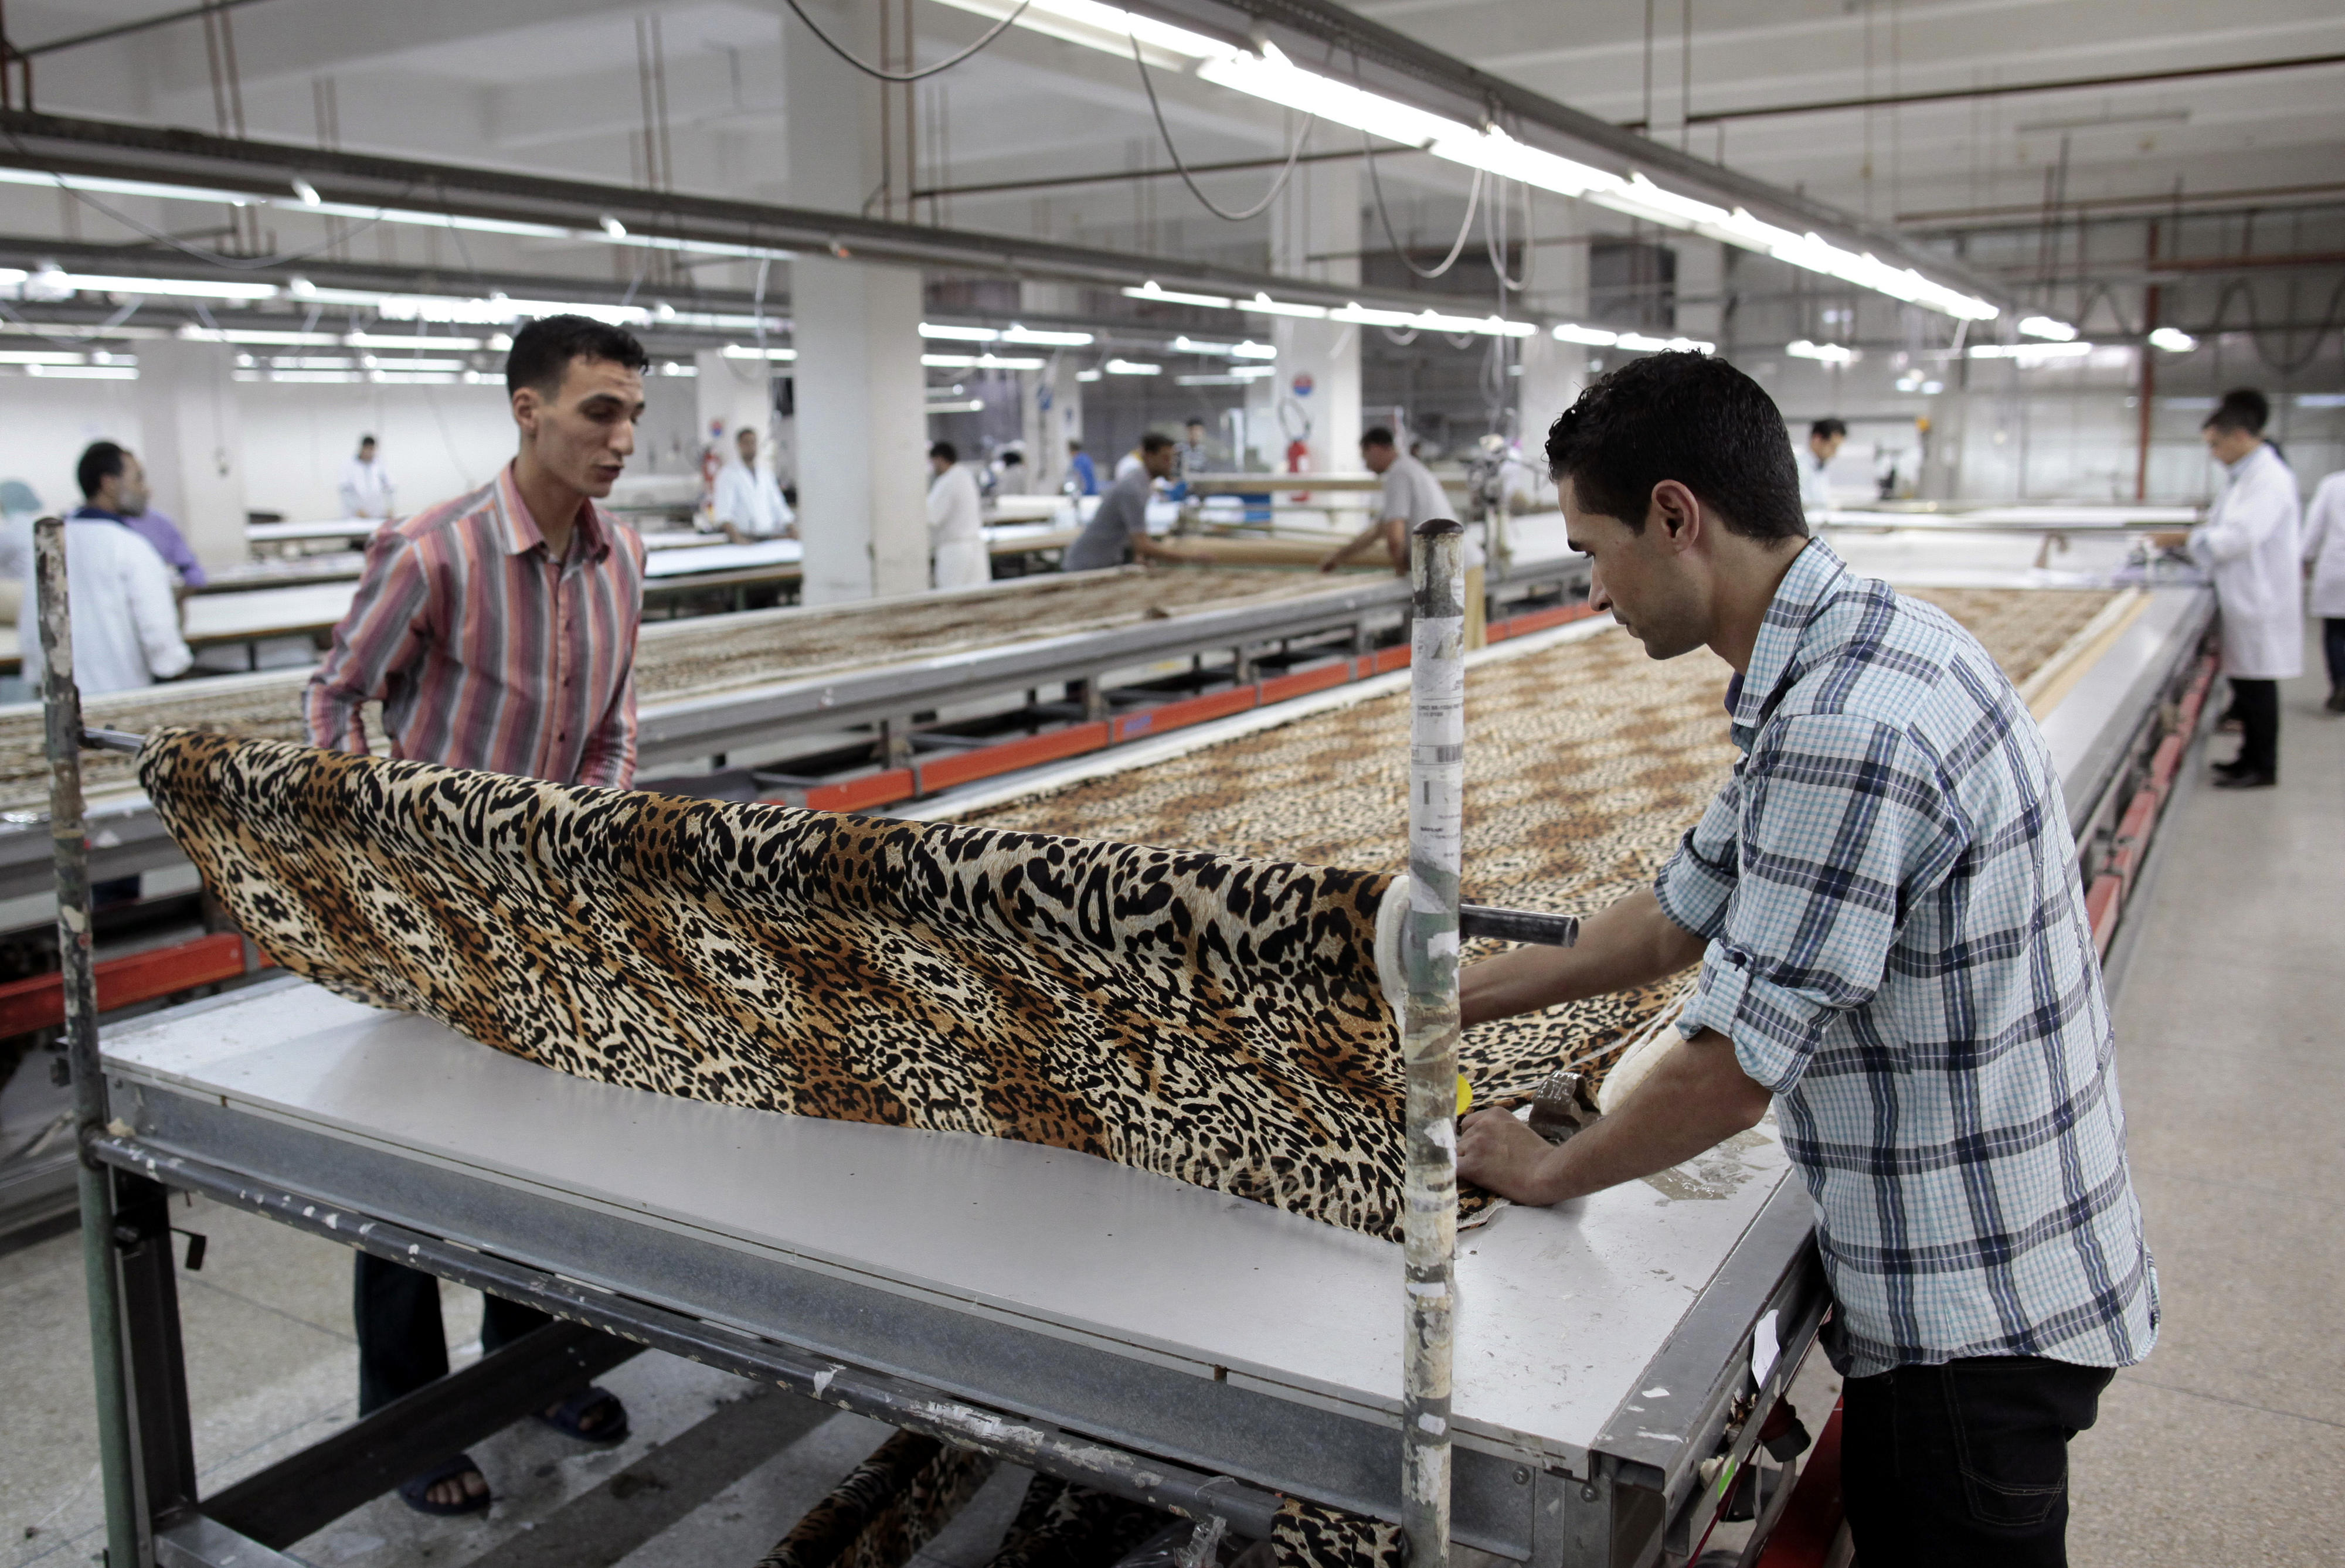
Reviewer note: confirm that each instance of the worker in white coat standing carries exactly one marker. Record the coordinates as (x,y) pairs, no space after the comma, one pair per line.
(956,522)
(2249,545)
(2324,557)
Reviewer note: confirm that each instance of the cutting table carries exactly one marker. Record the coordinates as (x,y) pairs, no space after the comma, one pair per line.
(1614,1356)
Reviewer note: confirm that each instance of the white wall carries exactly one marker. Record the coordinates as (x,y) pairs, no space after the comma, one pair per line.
(45,422)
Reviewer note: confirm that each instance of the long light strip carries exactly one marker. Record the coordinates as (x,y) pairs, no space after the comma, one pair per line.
(1267,74)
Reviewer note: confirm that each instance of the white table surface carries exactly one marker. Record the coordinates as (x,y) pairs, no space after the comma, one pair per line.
(1560,1311)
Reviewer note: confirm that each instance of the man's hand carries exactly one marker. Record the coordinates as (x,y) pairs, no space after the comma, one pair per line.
(1499,1154)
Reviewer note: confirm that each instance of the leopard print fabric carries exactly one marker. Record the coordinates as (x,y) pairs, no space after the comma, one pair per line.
(886,1509)
(1308,1536)
(1585,763)
(1210,1019)
(1063,1525)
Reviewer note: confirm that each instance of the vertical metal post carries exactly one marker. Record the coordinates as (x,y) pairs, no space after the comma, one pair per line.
(61,715)
(1437,788)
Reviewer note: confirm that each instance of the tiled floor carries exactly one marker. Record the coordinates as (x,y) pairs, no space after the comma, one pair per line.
(2224,1447)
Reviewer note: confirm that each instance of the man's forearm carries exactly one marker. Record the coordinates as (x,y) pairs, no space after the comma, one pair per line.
(1695,1098)
(1633,943)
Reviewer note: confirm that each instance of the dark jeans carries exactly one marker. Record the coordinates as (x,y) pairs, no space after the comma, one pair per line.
(1964,1463)
(2332,643)
(2258,704)
(401,1344)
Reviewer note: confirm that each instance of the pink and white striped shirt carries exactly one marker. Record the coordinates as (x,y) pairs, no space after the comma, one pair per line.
(484,653)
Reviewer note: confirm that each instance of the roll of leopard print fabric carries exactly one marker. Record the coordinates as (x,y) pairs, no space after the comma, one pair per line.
(1211,1019)
(888,1507)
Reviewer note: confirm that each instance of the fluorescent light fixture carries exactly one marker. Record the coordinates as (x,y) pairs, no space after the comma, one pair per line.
(1827,353)
(40,357)
(2321,399)
(1149,291)
(1087,375)
(959,334)
(964,406)
(2045,327)
(1041,338)
(677,368)
(52,283)
(2029,353)
(307,192)
(1931,389)
(2173,339)
(413,377)
(1263,305)
(1252,350)
(86,372)
(980,362)
(1187,345)
(1131,367)
(1637,342)
(1214,381)
(1594,336)
(312,362)
(749,352)
(267,337)
(410,340)
(611,227)
(315,378)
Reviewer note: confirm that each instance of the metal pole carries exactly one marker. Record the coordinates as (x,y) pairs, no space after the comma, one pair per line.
(1437,787)
(61,715)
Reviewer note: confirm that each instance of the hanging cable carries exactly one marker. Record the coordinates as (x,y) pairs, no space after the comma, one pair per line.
(836,47)
(1473,200)
(1189,180)
(1495,227)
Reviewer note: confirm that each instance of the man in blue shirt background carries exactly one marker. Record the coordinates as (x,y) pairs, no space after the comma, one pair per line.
(1081,469)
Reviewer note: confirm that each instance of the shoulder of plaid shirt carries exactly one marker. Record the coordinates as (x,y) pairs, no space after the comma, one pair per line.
(1897,949)
(483,700)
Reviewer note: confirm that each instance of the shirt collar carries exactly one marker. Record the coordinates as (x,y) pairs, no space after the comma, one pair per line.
(88,513)
(1814,574)
(520,529)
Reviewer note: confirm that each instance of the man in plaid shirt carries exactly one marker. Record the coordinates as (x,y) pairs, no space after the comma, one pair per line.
(1885,903)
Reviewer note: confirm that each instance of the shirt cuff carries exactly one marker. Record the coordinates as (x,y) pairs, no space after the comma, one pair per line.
(1774,1031)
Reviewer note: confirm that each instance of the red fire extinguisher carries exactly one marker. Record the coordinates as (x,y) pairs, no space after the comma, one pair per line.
(1298,460)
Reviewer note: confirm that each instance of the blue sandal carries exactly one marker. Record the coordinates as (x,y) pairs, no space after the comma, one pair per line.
(413,1490)
(569,1417)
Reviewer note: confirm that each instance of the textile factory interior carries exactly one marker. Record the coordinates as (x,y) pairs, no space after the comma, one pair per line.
(731,750)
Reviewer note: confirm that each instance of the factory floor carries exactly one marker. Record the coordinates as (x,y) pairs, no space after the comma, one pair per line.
(2222,1448)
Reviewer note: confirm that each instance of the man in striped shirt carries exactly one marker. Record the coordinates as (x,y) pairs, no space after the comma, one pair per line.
(498,630)
(1884,904)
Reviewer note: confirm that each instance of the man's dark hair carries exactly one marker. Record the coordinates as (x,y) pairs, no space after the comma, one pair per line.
(1197,420)
(1157,441)
(366,440)
(2243,409)
(1073,445)
(1825,429)
(1013,459)
(101,461)
(542,351)
(1683,416)
(1377,436)
(946,450)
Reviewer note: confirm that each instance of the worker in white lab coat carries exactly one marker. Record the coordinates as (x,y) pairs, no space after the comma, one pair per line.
(956,522)
(749,504)
(2324,557)
(1825,438)
(2248,545)
(366,484)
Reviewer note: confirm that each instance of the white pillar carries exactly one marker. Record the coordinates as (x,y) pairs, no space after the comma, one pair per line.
(192,428)
(862,429)
(1701,278)
(861,433)
(1315,233)
(1553,375)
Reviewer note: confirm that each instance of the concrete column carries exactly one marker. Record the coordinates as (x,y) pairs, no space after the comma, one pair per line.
(1553,375)
(1315,233)
(1701,278)
(861,399)
(192,431)
(862,429)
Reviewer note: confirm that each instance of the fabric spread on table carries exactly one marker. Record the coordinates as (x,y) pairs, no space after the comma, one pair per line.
(888,1507)
(1061,1524)
(1307,1535)
(1211,1019)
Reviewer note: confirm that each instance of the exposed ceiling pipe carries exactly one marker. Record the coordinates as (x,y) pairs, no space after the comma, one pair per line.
(2007,89)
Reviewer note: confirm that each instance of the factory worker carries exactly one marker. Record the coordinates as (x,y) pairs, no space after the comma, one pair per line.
(1118,531)
(1892,952)
(2324,557)
(956,522)
(366,483)
(2249,546)
(498,632)
(125,616)
(1082,474)
(1825,438)
(749,503)
(1411,495)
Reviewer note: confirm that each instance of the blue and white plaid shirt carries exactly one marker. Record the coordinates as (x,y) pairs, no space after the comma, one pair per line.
(1898,949)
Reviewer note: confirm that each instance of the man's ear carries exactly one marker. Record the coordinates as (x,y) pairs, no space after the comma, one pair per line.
(526,406)
(1676,513)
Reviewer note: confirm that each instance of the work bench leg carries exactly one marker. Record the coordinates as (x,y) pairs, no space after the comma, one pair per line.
(160,1419)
